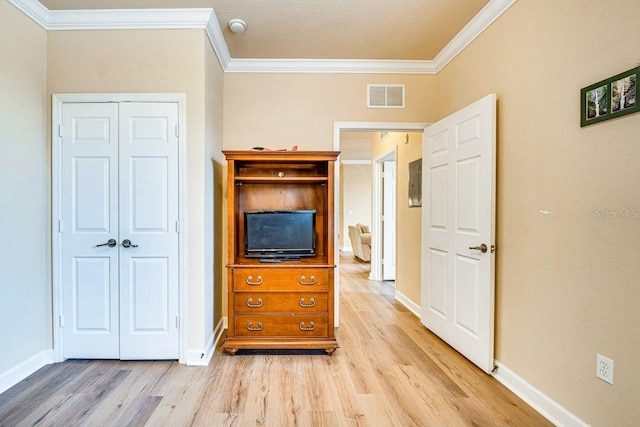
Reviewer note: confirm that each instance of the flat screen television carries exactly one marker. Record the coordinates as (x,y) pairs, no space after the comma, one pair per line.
(281,234)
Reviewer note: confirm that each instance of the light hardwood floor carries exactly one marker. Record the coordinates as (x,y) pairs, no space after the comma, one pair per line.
(388,371)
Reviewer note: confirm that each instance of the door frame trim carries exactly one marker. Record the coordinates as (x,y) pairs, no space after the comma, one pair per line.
(376,213)
(58,101)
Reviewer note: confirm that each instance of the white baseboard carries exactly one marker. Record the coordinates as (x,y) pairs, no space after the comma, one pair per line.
(203,357)
(542,403)
(411,306)
(21,371)
(219,332)
(196,358)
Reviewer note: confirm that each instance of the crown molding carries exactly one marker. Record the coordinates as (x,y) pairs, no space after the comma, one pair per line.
(328,66)
(127,19)
(114,19)
(492,11)
(214,33)
(34,10)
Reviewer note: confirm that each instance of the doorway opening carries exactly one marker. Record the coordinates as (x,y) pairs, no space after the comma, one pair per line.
(340,128)
(384,217)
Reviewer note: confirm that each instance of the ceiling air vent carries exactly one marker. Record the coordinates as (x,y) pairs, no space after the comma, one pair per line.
(385,96)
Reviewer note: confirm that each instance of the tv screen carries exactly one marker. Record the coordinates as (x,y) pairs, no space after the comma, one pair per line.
(280,234)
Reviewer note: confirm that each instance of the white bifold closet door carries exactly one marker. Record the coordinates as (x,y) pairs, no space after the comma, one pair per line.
(120,230)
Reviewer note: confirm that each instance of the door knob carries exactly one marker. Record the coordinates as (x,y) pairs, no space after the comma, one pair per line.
(111,243)
(126,243)
(482,248)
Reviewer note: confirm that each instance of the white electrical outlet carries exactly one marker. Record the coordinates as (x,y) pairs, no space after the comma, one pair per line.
(604,368)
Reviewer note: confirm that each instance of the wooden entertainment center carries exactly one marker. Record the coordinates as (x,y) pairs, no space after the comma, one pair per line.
(281,303)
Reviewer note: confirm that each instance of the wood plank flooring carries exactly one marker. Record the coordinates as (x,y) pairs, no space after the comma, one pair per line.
(388,371)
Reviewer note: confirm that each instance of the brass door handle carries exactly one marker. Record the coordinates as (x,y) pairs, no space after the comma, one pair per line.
(482,248)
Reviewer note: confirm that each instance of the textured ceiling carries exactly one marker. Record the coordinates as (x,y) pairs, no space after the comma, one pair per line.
(323,29)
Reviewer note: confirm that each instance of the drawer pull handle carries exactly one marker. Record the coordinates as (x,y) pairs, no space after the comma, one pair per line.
(310,328)
(252,305)
(256,283)
(254,328)
(312,280)
(312,303)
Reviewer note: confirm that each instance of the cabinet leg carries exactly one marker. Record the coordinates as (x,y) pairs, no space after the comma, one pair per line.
(329,351)
(231,351)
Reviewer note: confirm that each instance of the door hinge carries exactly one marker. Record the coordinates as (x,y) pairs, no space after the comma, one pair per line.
(177,226)
(177,322)
(61,321)
(177,130)
(60,130)
(61,226)
(493,249)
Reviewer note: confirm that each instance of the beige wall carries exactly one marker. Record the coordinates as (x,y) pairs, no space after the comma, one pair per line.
(25,312)
(567,282)
(354,146)
(283,110)
(136,61)
(408,220)
(214,165)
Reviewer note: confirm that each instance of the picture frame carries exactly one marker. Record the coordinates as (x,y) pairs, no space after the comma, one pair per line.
(415,183)
(609,98)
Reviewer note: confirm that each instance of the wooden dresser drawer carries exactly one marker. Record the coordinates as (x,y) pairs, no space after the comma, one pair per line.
(271,325)
(289,279)
(281,302)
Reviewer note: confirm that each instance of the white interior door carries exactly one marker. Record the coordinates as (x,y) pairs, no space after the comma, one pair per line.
(149,221)
(120,182)
(459,230)
(389,221)
(90,220)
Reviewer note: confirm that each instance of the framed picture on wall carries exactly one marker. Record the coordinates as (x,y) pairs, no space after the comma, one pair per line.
(623,93)
(595,104)
(415,183)
(610,98)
